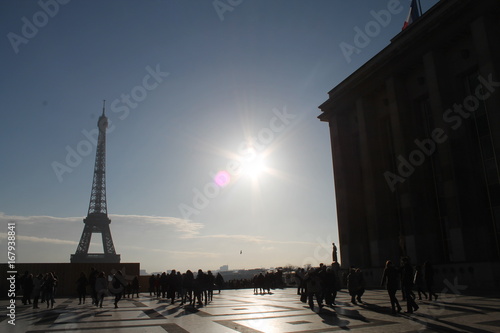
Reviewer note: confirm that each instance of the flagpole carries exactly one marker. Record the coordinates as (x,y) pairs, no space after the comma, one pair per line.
(419,8)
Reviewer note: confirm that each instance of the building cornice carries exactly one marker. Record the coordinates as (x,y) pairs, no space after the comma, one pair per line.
(407,47)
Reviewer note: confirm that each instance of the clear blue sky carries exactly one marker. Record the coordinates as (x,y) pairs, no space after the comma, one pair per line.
(204,84)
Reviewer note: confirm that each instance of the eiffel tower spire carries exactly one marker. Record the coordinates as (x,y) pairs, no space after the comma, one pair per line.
(97,220)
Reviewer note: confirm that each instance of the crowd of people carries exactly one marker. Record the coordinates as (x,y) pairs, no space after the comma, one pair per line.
(40,288)
(319,284)
(189,289)
(422,277)
(323,283)
(264,282)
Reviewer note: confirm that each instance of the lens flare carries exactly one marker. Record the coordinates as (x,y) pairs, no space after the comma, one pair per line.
(222,178)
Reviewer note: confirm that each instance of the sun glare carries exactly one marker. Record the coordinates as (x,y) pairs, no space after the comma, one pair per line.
(254,167)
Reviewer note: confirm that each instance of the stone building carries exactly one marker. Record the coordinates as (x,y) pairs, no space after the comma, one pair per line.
(415,137)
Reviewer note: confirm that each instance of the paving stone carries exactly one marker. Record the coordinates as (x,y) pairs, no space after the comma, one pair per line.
(243,311)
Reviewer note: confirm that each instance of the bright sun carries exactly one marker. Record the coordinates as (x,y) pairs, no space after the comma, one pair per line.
(254,167)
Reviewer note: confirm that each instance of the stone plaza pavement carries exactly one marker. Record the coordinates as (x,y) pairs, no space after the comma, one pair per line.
(242,311)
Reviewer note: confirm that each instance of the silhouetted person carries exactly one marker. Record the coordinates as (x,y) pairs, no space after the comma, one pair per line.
(158,285)
(210,285)
(135,286)
(407,283)
(37,289)
(152,281)
(313,287)
(49,286)
(164,284)
(419,281)
(180,288)
(43,291)
(127,291)
(172,285)
(119,284)
(219,281)
(27,285)
(334,281)
(101,287)
(300,279)
(81,287)
(198,287)
(429,280)
(188,285)
(92,279)
(56,284)
(324,284)
(390,279)
(355,285)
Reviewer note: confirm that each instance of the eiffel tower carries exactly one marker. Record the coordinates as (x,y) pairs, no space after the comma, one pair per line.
(97,220)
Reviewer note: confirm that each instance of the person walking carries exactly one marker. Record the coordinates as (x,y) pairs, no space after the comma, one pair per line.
(164,284)
(418,280)
(172,286)
(188,285)
(219,281)
(390,280)
(101,288)
(407,284)
(300,280)
(37,289)
(313,287)
(135,286)
(355,285)
(81,287)
(152,281)
(336,280)
(27,285)
(429,280)
(92,282)
(118,283)
(49,286)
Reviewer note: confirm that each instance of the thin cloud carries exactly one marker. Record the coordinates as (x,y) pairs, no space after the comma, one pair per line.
(41,239)
(36,219)
(251,239)
(186,227)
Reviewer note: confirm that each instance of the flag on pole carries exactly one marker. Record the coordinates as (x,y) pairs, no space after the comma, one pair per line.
(413,14)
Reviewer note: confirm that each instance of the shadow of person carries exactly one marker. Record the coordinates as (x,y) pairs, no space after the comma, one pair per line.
(330,318)
(343,303)
(187,311)
(163,300)
(171,311)
(353,314)
(375,308)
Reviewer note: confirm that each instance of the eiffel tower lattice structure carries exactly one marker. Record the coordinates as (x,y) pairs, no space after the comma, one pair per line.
(97,220)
